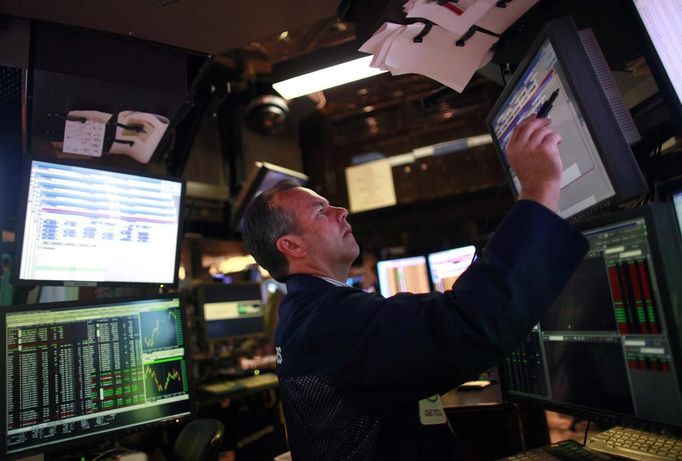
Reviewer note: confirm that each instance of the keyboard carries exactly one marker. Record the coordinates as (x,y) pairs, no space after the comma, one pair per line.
(249,383)
(567,450)
(633,444)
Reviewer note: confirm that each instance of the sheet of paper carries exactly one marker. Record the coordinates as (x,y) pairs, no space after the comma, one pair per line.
(453,17)
(379,44)
(437,56)
(499,19)
(370,185)
(85,138)
(374,44)
(139,145)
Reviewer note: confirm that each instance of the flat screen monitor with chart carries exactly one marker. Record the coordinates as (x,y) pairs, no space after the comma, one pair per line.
(76,372)
(403,275)
(446,266)
(86,225)
(660,21)
(599,169)
(608,347)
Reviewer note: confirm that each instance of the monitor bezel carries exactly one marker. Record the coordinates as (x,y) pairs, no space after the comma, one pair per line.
(201,300)
(624,174)
(21,216)
(666,253)
(251,186)
(62,445)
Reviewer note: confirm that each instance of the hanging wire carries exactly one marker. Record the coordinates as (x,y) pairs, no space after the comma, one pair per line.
(587,429)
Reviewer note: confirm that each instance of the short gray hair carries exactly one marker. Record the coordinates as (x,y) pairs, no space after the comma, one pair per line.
(264,223)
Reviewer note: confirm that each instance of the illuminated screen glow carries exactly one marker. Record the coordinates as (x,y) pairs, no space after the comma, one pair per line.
(446,266)
(405,275)
(89,225)
(584,181)
(81,371)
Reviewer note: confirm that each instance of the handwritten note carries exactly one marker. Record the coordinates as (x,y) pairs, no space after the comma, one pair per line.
(84,132)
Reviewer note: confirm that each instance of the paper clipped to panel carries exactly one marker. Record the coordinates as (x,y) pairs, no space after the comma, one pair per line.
(139,144)
(84,132)
(456,18)
(436,56)
(370,186)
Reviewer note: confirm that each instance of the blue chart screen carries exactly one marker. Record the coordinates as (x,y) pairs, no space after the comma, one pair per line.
(91,225)
(160,330)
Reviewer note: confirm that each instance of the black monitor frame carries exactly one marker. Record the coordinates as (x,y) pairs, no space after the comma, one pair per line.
(256,183)
(614,151)
(217,293)
(16,280)
(666,254)
(63,445)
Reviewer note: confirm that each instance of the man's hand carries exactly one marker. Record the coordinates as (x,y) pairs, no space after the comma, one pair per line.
(533,154)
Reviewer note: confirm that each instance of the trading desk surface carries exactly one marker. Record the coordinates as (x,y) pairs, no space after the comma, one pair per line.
(234,388)
(488,396)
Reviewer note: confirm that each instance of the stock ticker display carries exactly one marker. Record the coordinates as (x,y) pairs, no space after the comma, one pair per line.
(78,371)
(603,344)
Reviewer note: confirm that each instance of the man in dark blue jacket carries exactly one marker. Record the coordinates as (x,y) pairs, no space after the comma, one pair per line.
(360,374)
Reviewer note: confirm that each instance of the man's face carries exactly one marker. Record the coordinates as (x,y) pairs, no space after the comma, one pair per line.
(326,234)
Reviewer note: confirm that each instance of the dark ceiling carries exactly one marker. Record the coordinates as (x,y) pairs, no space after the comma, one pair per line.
(210,26)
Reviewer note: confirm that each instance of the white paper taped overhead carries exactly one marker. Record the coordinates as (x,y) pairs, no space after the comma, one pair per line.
(140,134)
(84,132)
(455,18)
(454,41)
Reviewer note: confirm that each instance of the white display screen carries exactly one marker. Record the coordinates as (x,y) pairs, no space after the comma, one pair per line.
(446,266)
(90,225)
(662,19)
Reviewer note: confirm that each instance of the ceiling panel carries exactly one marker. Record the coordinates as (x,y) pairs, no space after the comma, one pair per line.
(210,26)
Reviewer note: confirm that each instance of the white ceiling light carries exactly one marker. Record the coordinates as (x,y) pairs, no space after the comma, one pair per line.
(328,77)
(318,73)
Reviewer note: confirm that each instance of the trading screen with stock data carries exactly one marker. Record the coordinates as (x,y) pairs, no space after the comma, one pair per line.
(90,368)
(608,344)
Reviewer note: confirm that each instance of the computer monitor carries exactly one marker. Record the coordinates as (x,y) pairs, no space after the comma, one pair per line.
(84,225)
(403,275)
(659,20)
(81,371)
(231,311)
(608,349)
(446,266)
(677,204)
(599,169)
(263,175)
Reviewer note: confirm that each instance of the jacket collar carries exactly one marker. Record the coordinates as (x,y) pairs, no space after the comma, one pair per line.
(297,282)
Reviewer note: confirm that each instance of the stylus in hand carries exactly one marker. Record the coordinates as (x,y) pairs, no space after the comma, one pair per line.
(547,105)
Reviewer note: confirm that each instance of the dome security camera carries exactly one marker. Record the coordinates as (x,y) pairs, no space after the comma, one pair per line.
(267,114)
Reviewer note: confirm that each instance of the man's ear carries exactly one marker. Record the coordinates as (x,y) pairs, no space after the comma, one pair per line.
(291,246)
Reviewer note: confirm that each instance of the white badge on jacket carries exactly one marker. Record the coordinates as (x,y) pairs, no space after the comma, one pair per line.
(431,411)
